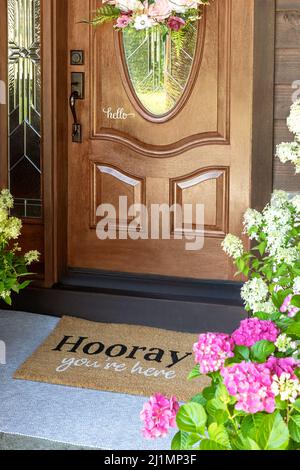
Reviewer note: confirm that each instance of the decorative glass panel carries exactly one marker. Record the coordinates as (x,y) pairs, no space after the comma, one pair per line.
(24,78)
(159,73)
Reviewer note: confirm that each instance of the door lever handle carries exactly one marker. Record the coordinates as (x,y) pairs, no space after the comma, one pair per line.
(76,128)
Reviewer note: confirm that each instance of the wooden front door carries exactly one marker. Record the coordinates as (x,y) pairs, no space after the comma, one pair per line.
(199,150)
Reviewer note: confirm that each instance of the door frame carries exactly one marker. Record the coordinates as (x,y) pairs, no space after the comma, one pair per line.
(55,130)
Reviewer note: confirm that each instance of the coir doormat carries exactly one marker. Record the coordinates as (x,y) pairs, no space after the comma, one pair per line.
(118,358)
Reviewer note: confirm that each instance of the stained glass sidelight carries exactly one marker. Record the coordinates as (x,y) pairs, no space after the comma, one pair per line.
(159,73)
(24,78)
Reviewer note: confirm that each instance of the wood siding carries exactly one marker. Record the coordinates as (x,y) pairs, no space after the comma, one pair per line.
(287,71)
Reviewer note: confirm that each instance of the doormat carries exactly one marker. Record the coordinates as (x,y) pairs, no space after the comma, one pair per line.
(118,358)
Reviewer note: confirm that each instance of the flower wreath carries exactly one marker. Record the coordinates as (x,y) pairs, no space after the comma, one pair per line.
(173,17)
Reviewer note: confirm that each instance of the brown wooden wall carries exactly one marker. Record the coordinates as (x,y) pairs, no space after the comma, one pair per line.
(287,70)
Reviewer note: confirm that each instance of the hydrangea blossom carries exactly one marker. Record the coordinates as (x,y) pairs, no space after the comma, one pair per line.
(212,350)
(254,293)
(293,120)
(252,219)
(286,387)
(296,203)
(159,415)
(250,384)
(279,366)
(253,330)
(284,343)
(296,285)
(288,308)
(31,257)
(233,246)
(289,152)
(287,255)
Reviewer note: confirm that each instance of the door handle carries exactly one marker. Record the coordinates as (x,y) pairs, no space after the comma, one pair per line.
(76,127)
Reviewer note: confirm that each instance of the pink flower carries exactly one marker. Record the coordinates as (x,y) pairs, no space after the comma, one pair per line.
(175,23)
(212,350)
(251,385)
(160,10)
(253,330)
(123,21)
(288,308)
(159,415)
(281,366)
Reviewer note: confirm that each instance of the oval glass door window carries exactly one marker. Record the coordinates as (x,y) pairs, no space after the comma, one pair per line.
(158,73)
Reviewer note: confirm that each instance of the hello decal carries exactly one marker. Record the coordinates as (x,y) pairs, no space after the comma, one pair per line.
(119,358)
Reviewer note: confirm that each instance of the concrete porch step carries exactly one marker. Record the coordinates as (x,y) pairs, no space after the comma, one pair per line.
(45,416)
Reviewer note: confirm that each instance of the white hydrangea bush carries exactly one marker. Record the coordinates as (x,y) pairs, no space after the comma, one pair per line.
(13,265)
(290,151)
(273,264)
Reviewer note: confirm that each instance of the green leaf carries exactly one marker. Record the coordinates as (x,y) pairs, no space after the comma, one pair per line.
(195,373)
(221,416)
(294,427)
(208,444)
(192,418)
(215,405)
(222,394)
(262,350)
(199,398)
(180,441)
(243,352)
(218,434)
(240,442)
(296,404)
(294,330)
(280,405)
(209,392)
(269,431)
(262,316)
(178,38)
(296,301)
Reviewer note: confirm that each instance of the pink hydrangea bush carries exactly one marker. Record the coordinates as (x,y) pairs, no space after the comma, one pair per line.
(250,384)
(254,373)
(212,350)
(159,415)
(253,330)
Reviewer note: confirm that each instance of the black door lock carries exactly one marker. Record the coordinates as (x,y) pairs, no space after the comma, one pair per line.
(76,128)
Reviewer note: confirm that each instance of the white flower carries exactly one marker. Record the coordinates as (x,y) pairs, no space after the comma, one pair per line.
(12,228)
(289,152)
(287,255)
(3,215)
(252,218)
(287,388)
(296,203)
(255,293)
(143,22)
(284,343)
(278,221)
(5,293)
(296,286)
(279,199)
(293,120)
(6,200)
(129,5)
(233,246)
(31,257)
